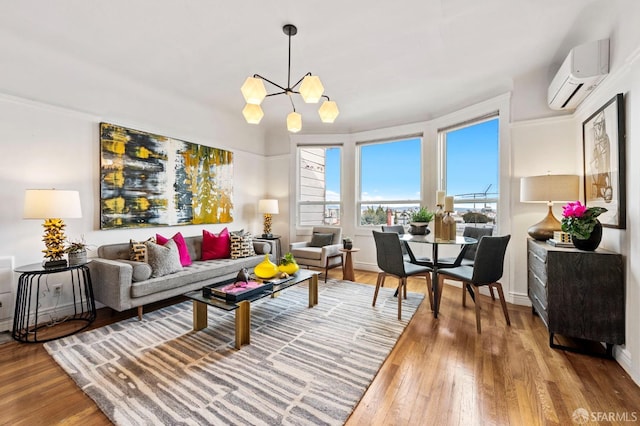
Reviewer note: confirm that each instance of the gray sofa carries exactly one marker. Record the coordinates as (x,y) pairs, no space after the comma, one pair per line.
(117,280)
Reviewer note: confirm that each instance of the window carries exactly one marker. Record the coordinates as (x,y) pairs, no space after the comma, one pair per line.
(319,186)
(390,181)
(469,171)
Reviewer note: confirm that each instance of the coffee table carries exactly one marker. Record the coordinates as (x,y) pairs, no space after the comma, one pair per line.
(243,308)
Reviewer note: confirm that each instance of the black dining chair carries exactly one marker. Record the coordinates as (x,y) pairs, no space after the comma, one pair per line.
(486,271)
(391,262)
(406,250)
(468,252)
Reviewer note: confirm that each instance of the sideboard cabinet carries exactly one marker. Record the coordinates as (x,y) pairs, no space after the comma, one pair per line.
(578,294)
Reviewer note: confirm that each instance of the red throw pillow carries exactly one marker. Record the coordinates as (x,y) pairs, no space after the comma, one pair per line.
(185,258)
(216,246)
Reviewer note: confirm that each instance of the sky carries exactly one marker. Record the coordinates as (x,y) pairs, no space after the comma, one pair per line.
(472,165)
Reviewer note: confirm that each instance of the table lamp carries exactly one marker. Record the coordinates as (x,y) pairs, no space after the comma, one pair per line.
(267,207)
(52,205)
(548,189)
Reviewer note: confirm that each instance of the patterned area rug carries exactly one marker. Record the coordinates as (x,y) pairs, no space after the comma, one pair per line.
(303,366)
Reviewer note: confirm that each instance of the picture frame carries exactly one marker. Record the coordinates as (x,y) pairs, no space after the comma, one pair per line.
(603,138)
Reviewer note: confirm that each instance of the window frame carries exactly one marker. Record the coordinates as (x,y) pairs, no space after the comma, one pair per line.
(359,202)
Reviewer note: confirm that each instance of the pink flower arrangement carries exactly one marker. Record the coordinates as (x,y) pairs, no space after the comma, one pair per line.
(579,220)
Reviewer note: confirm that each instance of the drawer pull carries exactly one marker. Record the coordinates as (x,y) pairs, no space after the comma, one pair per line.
(537,257)
(540,302)
(544,284)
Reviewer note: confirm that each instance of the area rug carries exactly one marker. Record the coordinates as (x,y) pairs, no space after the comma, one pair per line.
(303,366)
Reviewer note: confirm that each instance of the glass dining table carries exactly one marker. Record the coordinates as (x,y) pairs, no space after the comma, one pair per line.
(435,242)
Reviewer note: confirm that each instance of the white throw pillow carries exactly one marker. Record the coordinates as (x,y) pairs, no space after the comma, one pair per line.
(164,259)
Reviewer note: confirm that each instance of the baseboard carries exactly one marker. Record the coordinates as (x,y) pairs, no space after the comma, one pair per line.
(623,357)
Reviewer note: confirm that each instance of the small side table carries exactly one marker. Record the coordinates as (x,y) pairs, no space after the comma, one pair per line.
(25,321)
(270,239)
(347,268)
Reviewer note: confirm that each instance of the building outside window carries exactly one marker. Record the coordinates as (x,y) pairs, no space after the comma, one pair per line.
(319,186)
(389,181)
(469,171)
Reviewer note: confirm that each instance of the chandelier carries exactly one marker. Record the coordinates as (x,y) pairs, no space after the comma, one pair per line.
(311,90)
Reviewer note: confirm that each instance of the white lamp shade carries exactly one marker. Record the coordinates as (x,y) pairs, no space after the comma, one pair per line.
(311,89)
(328,112)
(268,206)
(253,90)
(51,203)
(294,122)
(549,188)
(252,113)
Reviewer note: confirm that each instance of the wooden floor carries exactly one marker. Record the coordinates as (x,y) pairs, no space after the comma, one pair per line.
(440,373)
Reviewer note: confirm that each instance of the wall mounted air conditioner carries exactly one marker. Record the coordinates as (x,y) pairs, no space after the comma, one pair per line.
(582,70)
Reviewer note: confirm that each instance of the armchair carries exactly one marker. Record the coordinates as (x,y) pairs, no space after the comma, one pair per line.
(323,251)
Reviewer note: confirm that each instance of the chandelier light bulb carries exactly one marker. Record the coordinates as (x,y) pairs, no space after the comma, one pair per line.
(328,111)
(311,89)
(253,90)
(294,122)
(252,113)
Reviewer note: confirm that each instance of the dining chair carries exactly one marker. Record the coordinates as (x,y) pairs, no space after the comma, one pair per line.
(467,253)
(486,271)
(391,262)
(406,250)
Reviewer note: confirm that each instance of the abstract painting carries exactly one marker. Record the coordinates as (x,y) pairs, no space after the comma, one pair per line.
(603,137)
(151,180)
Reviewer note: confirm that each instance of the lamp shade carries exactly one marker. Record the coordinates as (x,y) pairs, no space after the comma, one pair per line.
(549,188)
(268,206)
(294,122)
(253,90)
(328,111)
(311,89)
(51,203)
(252,113)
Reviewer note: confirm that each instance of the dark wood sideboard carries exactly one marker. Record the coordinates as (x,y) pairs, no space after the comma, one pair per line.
(578,294)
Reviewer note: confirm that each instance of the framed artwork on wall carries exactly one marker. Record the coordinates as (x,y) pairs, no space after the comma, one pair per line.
(603,138)
(152,180)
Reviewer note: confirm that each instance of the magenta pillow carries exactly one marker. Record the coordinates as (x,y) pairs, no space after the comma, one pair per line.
(216,246)
(185,258)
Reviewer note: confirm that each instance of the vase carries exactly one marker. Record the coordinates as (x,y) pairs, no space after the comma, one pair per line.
(419,228)
(266,268)
(347,245)
(289,269)
(77,258)
(591,243)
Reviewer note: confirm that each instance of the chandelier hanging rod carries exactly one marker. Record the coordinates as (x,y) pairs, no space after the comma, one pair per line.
(311,91)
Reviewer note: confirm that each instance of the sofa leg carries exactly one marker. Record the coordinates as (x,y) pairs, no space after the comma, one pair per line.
(140,313)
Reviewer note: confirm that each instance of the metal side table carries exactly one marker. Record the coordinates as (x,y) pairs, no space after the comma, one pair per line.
(26,327)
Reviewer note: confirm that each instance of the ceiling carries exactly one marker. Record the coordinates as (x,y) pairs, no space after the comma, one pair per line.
(384,63)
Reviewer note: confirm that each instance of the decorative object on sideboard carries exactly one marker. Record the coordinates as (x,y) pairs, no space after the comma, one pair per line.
(52,205)
(288,264)
(420,221)
(582,223)
(548,189)
(266,268)
(311,90)
(267,208)
(603,138)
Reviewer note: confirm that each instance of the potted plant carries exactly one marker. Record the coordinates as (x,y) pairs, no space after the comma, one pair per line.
(581,222)
(76,251)
(347,243)
(288,264)
(420,221)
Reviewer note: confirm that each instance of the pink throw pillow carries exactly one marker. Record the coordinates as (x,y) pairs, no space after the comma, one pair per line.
(216,246)
(185,258)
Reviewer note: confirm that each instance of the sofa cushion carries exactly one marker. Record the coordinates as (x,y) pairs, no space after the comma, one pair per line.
(241,246)
(216,246)
(164,260)
(321,240)
(185,259)
(138,250)
(314,253)
(141,270)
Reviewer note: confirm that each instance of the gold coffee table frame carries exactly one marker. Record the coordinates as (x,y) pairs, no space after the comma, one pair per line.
(243,308)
